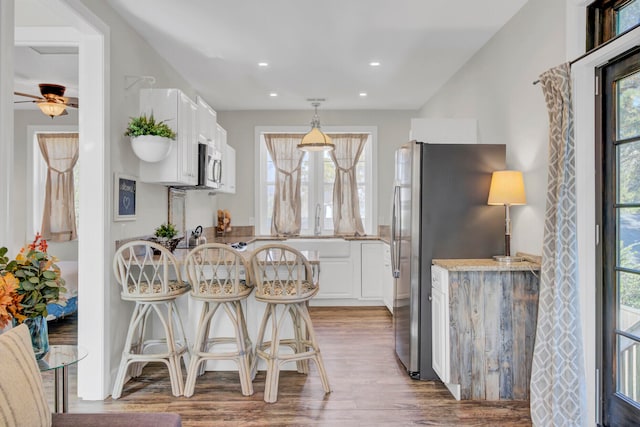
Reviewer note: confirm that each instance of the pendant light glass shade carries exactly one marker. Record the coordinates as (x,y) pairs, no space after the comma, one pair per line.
(316,140)
(51,109)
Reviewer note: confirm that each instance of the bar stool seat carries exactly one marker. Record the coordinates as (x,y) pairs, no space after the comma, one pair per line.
(154,283)
(284,281)
(220,278)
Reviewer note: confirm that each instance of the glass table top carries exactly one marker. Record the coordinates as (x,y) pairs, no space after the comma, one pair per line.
(59,356)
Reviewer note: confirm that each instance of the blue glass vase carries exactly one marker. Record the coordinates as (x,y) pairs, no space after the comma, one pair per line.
(39,335)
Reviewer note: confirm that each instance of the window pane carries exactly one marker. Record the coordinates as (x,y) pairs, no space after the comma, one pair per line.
(361,172)
(629,368)
(629,238)
(329,171)
(628,17)
(362,201)
(628,158)
(271,172)
(629,297)
(304,207)
(327,195)
(628,106)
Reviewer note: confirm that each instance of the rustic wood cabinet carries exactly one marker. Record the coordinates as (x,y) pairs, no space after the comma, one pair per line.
(484,323)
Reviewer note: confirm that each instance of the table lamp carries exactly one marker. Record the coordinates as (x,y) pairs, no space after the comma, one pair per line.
(507,188)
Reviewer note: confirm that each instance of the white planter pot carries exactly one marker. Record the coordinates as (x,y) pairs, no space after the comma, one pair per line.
(151,148)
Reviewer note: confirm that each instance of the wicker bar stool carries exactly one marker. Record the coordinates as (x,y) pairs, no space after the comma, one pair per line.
(284,281)
(154,283)
(220,278)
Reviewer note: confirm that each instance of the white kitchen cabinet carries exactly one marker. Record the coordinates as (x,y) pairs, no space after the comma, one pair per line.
(228,168)
(440,323)
(371,270)
(207,123)
(337,276)
(388,283)
(180,113)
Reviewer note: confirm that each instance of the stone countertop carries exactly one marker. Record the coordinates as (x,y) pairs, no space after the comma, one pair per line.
(312,256)
(485,265)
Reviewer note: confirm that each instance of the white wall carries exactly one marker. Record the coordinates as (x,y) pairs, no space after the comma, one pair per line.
(131,55)
(495,87)
(393,131)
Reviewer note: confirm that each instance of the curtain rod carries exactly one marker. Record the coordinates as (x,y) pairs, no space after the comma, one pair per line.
(595,49)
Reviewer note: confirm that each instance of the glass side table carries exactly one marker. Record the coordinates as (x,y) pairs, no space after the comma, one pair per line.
(58,359)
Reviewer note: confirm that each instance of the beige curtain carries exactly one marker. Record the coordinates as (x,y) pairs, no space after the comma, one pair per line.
(286,218)
(60,152)
(346,207)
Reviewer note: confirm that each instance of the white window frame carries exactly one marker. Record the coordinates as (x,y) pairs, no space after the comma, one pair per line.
(260,205)
(37,176)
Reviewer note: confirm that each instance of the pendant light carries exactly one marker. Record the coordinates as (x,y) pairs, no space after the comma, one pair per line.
(315,140)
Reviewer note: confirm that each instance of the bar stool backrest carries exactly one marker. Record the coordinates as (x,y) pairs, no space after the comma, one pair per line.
(145,276)
(217,270)
(282,273)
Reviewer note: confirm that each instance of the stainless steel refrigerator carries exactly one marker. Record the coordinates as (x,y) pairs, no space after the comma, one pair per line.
(439,211)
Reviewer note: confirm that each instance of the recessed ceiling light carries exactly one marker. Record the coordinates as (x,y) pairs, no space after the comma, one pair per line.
(374,63)
(263,64)
(363,94)
(273,94)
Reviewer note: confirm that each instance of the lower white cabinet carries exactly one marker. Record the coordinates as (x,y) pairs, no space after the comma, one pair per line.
(371,270)
(388,282)
(440,323)
(351,271)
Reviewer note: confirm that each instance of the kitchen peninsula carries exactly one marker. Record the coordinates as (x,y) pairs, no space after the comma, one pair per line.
(484,322)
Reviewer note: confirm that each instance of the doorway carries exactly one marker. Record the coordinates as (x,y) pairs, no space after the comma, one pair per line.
(88,33)
(619,209)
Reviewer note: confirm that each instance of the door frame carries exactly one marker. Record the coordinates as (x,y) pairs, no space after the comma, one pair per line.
(91,36)
(584,83)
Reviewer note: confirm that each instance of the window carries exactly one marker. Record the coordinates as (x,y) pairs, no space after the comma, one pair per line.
(607,19)
(38,178)
(317,177)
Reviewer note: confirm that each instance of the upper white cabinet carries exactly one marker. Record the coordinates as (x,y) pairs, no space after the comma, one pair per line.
(229,170)
(228,161)
(207,123)
(180,113)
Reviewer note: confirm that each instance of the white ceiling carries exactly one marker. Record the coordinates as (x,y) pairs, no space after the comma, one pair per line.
(318,49)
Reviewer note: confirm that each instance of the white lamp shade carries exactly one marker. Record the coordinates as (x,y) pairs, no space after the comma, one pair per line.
(315,140)
(507,188)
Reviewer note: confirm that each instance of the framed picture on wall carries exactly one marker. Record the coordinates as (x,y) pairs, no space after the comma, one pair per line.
(124,202)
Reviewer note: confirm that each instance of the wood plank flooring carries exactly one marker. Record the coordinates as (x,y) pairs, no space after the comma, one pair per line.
(369,386)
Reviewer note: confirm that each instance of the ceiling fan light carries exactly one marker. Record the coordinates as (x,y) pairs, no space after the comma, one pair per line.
(51,109)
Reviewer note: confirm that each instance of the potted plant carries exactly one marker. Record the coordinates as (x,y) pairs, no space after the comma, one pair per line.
(27,284)
(151,140)
(167,236)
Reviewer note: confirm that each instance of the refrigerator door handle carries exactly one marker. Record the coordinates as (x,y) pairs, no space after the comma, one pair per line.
(395,243)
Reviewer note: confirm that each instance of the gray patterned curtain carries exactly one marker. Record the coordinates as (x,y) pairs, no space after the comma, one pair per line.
(558,390)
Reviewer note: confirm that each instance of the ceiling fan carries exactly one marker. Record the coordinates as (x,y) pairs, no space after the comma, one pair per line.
(52,102)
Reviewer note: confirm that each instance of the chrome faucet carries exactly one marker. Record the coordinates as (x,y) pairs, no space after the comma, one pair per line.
(317,227)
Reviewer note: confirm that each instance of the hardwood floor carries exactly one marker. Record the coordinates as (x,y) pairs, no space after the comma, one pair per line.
(369,386)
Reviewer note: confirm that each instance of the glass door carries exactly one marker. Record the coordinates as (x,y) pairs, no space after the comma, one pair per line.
(620,214)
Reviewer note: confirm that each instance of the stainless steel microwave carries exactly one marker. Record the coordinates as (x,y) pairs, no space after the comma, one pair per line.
(209,166)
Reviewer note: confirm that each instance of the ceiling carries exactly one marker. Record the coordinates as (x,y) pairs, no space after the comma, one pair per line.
(318,49)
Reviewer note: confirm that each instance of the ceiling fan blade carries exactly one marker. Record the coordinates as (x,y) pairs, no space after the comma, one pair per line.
(27,95)
(72,101)
(22,102)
